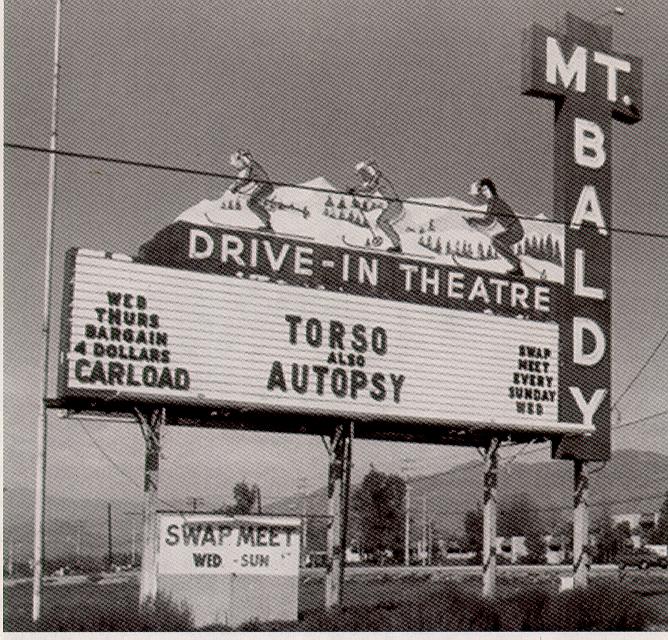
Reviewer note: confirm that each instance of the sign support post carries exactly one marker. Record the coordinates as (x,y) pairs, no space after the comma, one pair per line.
(489,519)
(345,507)
(151,425)
(336,449)
(581,524)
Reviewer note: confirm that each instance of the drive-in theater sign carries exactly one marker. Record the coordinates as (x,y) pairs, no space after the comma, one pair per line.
(317,329)
(216,318)
(232,319)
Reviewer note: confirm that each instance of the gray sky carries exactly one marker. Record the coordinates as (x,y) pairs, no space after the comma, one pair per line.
(429,88)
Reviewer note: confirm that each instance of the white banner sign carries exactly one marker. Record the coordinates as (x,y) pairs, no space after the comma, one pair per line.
(144,332)
(201,544)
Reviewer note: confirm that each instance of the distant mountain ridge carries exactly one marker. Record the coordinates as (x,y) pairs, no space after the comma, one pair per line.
(548,484)
(450,494)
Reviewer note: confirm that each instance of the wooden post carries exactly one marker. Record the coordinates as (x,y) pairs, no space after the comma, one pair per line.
(151,426)
(345,503)
(335,450)
(580,524)
(489,519)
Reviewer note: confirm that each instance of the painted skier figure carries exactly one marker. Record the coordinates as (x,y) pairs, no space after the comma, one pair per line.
(374,181)
(500,224)
(253,181)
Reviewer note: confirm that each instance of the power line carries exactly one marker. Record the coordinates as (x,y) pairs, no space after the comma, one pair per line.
(118,468)
(651,355)
(215,174)
(633,422)
(619,426)
(105,455)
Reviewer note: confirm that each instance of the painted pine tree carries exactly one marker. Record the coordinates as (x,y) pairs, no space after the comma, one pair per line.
(557,254)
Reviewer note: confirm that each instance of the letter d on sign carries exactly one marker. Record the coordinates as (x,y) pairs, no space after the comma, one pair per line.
(580,325)
(193,251)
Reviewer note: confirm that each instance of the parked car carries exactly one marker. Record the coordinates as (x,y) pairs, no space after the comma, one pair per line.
(642,558)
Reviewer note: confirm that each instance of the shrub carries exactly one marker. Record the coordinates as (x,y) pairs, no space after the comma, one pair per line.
(447,610)
(524,611)
(603,607)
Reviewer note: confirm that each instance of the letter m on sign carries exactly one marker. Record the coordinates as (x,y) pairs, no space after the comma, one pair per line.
(590,86)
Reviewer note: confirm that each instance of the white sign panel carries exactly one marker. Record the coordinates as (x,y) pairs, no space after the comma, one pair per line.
(138,331)
(206,544)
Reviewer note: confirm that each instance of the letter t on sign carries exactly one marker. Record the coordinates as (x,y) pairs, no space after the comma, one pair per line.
(590,85)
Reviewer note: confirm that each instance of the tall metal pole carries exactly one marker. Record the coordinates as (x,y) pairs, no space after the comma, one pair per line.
(304,532)
(489,519)
(407,526)
(424,531)
(110,548)
(40,475)
(580,524)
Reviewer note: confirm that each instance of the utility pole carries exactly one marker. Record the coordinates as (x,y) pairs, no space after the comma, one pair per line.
(258,499)
(78,547)
(424,531)
(194,501)
(407,514)
(10,560)
(110,549)
(304,549)
(40,471)
(133,541)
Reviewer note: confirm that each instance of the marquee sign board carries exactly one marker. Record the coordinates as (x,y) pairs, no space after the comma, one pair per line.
(281,325)
(590,85)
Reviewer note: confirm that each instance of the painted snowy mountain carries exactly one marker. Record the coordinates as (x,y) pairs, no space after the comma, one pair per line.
(433,227)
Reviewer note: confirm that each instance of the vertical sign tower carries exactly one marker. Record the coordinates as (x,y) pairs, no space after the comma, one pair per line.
(590,85)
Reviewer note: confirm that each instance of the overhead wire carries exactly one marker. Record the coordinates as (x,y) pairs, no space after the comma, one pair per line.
(276,183)
(120,469)
(644,366)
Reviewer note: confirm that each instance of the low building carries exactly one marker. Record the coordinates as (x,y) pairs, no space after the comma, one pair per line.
(646,520)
